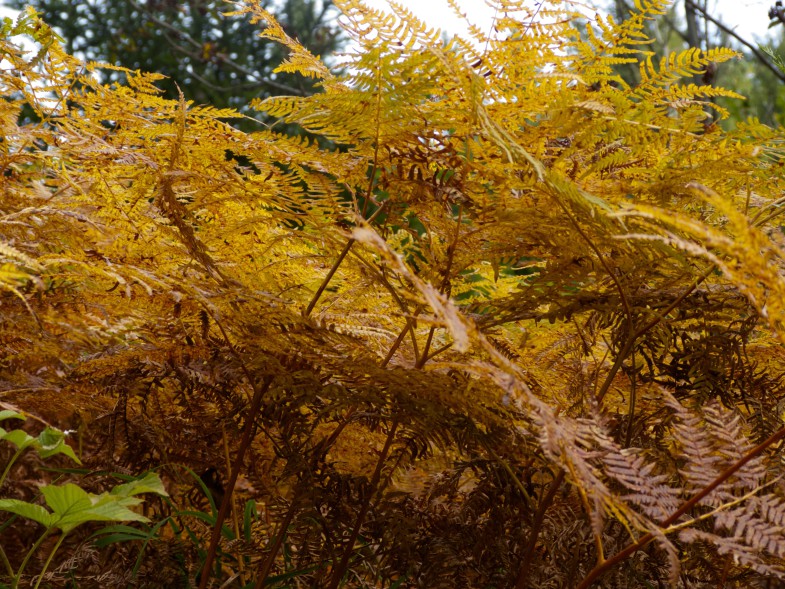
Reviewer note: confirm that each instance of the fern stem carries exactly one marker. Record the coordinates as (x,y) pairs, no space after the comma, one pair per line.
(721,508)
(49,559)
(756,221)
(695,284)
(329,277)
(26,559)
(424,357)
(340,570)
(368,196)
(435,353)
(508,469)
(377,133)
(321,450)
(606,385)
(408,328)
(6,563)
(267,565)
(396,344)
(631,549)
(410,322)
(232,510)
(445,285)
(523,571)
(574,222)
(633,334)
(725,571)
(245,443)
(614,369)
(633,397)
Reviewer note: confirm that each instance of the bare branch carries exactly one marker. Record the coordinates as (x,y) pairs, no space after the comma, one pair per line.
(223,58)
(757,52)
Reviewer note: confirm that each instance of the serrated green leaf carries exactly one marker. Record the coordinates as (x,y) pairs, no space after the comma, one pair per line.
(150,483)
(108,510)
(19,438)
(65,499)
(73,506)
(28,510)
(8,414)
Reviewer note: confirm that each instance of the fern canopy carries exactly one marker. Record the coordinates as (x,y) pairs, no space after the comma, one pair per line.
(493,318)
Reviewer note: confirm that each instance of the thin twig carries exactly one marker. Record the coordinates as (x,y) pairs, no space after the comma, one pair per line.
(757,52)
(340,570)
(329,277)
(523,571)
(220,57)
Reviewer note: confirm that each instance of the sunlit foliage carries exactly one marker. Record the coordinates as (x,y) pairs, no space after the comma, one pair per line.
(519,327)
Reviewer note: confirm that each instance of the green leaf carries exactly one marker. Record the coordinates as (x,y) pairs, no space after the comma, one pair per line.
(28,510)
(108,539)
(120,533)
(51,441)
(66,499)
(19,438)
(121,529)
(150,483)
(249,515)
(111,511)
(73,506)
(8,414)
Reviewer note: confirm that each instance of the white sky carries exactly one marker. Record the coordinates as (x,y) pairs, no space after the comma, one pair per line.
(748,17)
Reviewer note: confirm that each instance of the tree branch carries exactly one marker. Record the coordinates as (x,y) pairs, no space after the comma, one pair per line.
(221,57)
(757,52)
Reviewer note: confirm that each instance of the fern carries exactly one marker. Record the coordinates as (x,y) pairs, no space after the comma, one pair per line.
(493,317)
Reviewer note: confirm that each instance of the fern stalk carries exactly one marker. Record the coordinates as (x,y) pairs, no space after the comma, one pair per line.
(323,448)
(226,502)
(522,581)
(343,565)
(269,561)
(329,277)
(641,331)
(444,287)
(604,566)
(633,398)
(49,559)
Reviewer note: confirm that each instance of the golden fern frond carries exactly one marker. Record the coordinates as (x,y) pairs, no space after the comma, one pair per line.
(300,60)
(9,253)
(686,63)
(758,276)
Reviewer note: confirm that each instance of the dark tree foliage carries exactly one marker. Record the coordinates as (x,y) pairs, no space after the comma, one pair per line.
(212,59)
